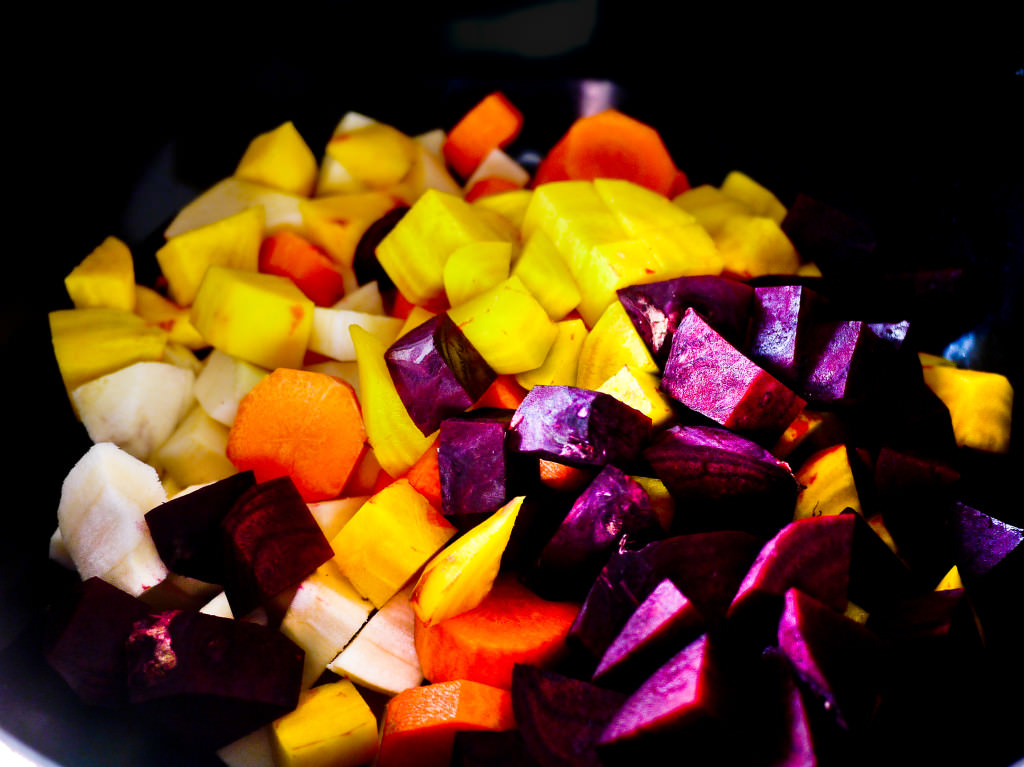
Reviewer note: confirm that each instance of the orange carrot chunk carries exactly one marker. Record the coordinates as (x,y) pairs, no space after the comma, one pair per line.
(420,723)
(302,424)
(512,625)
(610,144)
(425,475)
(562,476)
(290,255)
(492,124)
(504,392)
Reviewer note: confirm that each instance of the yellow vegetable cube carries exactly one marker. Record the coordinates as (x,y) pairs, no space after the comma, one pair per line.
(761,200)
(332,726)
(508,326)
(164,313)
(233,242)
(980,405)
(546,275)
(105,278)
(196,453)
(559,368)
(388,540)
(828,484)
(261,318)
(474,268)
(92,342)
(415,251)
(612,343)
(641,390)
(711,207)
(376,154)
(280,159)
(510,205)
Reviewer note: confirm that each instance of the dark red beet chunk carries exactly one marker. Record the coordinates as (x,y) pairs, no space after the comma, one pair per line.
(210,680)
(706,567)
(272,542)
(721,480)
(839,660)
(578,426)
(678,708)
(613,506)
(86,641)
(438,373)
(712,377)
(656,308)
(662,624)
(187,529)
(844,364)
(560,717)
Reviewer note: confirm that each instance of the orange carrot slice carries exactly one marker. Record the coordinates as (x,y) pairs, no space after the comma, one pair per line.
(504,392)
(562,476)
(611,144)
(425,475)
(492,124)
(512,625)
(420,723)
(299,423)
(290,255)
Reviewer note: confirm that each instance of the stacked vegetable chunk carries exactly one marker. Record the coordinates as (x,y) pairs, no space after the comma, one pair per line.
(419,456)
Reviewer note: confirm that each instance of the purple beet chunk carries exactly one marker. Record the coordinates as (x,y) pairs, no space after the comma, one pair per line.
(85,641)
(561,717)
(836,241)
(706,567)
(186,529)
(210,680)
(578,426)
(662,624)
(656,308)
(979,541)
(272,542)
(490,748)
(611,507)
(437,372)
(844,364)
(840,661)
(676,710)
(712,377)
(811,554)
(472,465)
(782,317)
(722,480)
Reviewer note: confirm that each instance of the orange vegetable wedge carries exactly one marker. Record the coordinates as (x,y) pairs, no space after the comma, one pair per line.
(511,625)
(299,423)
(308,266)
(420,723)
(493,123)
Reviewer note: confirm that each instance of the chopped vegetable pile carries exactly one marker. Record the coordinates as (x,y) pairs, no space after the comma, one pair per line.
(419,455)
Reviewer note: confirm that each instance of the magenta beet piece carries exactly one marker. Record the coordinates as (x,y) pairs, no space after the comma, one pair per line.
(85,640)
(712,377)
(706,567)
(839,660)
(844,364)
(272,541)
(720,479)
(657,307)
(663,623)
(613,506)
(782,317)
(578,426)
(187,528)
(210,680)
(811,554)
(473,465)
(438,373)
(561,717)
(679,708)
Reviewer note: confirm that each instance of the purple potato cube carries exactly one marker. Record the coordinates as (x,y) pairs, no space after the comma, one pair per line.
(437,372)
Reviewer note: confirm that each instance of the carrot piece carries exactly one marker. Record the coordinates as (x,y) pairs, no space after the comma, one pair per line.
(492,124)
(680,184)
(611,144)
(425,476)
(490,185)
(511,625)
(420,723)
(299,423)
(402,306)
(552,166)
(291,255)
(562,476)
(504,392)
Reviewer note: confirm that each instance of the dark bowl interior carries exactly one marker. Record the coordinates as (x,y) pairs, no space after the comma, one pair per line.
(136,123)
